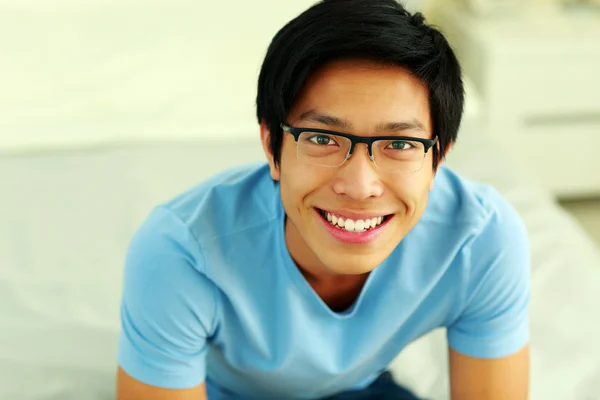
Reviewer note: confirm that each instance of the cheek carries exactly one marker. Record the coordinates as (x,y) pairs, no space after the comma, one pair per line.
(299,182)
(412,192)
(423,196)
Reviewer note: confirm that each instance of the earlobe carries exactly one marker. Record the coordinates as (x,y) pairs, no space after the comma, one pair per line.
(441,160)
(274,171)
(448,149)
(265,138)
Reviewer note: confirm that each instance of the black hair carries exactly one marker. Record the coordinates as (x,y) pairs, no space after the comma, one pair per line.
(379,30)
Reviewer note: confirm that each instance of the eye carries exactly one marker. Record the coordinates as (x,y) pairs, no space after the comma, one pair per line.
(400,145)
(322,140)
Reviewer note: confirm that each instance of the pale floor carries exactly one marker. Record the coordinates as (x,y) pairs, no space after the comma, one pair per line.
(587,212)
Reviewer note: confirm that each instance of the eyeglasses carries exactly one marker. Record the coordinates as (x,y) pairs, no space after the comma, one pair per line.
(331,149)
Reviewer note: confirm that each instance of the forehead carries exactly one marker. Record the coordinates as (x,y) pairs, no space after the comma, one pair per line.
(364,93)
(357,72)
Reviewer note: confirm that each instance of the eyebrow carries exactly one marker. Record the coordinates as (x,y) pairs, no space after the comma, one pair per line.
(330,120)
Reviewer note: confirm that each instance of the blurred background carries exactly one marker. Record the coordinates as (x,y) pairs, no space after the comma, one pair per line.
(535,67)
(109,107)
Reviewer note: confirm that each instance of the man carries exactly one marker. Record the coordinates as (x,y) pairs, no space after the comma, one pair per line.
(304,277)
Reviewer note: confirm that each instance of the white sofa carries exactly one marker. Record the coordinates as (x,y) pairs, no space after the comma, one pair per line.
(116,123)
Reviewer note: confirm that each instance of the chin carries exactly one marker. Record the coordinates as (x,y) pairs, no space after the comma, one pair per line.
(354,259)
(353,264)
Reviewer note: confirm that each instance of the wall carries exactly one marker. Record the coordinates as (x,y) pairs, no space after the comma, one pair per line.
(79,73)
(91,73)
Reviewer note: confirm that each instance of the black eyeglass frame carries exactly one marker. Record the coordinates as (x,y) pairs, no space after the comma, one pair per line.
(354,139)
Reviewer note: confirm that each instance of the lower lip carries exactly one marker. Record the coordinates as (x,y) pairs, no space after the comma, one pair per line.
(353,237)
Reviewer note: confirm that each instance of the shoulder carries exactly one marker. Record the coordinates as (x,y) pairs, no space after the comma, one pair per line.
(234,200)
(491,267)
(477,230)
(494,254)
(457,201)
(229,201)
(167,254)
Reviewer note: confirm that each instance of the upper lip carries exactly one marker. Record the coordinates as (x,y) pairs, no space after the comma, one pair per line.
(355,215)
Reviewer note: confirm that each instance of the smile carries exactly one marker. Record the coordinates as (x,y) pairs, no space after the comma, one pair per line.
(354,231)
(353,225)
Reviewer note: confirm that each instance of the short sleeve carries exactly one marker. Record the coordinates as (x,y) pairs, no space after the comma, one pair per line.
(494,320)
(168,305)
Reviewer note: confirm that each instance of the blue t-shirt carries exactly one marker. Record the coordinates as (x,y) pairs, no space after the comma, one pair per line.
(211,293)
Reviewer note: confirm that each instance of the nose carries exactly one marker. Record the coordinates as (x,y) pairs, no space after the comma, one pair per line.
(358,177)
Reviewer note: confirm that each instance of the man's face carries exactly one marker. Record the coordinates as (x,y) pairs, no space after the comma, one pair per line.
(365,96)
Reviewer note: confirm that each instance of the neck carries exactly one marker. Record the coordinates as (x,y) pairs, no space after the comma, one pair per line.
(309,264)
(337,291)
(311,267)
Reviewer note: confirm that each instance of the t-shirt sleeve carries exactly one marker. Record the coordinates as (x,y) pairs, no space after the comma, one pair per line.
(494,320)
(168,305)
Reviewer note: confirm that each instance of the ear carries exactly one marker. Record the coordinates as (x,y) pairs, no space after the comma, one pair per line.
(441,161)
(448,149)
(265,138)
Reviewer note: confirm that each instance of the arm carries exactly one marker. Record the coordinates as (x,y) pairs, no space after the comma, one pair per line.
(167,314)
(129,388)
(491,379)
(488,341)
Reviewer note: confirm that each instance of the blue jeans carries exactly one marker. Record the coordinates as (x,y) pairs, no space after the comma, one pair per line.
(384,388)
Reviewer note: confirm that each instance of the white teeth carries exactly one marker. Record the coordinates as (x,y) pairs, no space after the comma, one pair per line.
(359,225)
(349,225)
(352,225)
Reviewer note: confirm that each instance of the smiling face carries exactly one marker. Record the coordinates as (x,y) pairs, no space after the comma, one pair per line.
(365,99)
